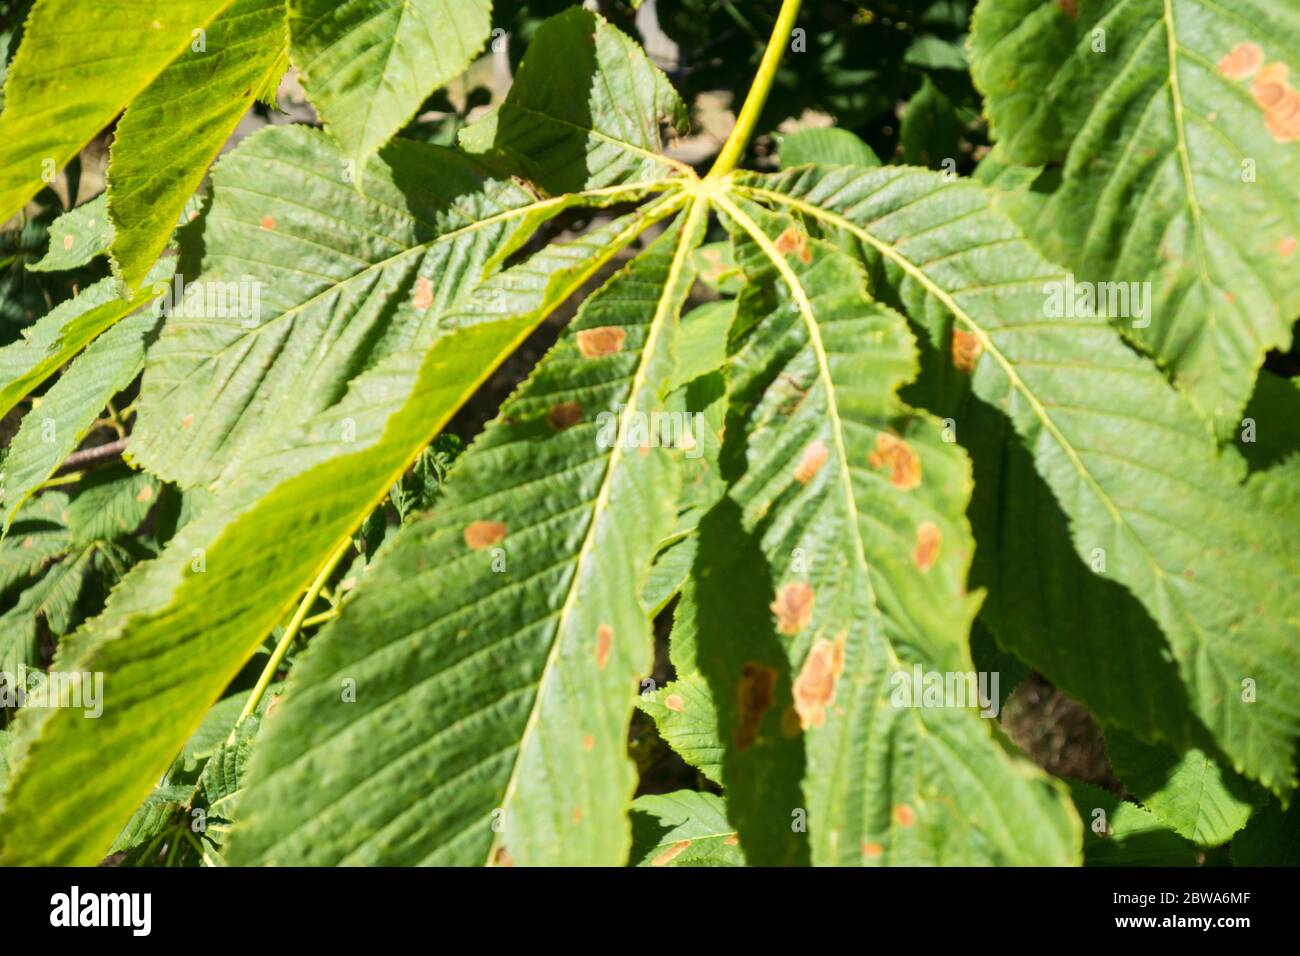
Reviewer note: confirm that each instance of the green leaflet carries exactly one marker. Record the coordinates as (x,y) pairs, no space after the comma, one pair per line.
(305,282)
(1119,833)
(827,146)
(110,503)
(53,429)
(505,678)
(77,237)
(1175,523)
(1176,126)
(38,537)
(1190,793)
(59,94)
(685,828)
(685,717)
(931,130)
(65,331)
(368,66)
(584,112)
(197,612)
(834,566)
(1080,628)
(181,120)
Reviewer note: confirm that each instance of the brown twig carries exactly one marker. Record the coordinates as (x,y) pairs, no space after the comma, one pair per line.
(93,456)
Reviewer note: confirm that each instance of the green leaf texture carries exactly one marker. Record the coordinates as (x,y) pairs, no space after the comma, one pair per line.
(305,283)
(684,828)
(77,237)
(1177,125)
(1120,833)
(505,675)
(78,66)
(585,110)
(368,64)
(63,332)
(1128,460)
(1189,792)
(197,613)
(179,123)
(835,565)
(53,429)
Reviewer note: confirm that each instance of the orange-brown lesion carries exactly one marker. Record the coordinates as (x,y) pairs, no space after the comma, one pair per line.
(899,458)
(794,240)
(814,689)
(966,349)
(1241,61)
(754,693)
(793,607)
(1279,101)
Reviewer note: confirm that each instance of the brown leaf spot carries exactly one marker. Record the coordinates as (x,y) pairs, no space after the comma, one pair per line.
(502,858)
(604,641)
(928,539)
(187,420)
(1069,7)
(814,689)
(423,297)
(67,242)
(793,606)
(268,222)
(483,534)
(577,815)
(674,703)
(1280,103)
(794,240)
(1286,246)
(898,456)
(904,815)
(1241,61)
(872,851)
(28,541)
(602,341)
(588,742)
(564,415)
(670,854)
(146,493)
(966,349)
(753,698)
(732,840)
(814,456)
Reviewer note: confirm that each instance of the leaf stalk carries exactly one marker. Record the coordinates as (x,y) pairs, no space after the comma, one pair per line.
(734,148)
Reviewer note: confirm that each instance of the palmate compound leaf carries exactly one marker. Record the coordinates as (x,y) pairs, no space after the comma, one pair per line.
(831,573)
(499,641)
(305,282)
(367,65)
(1179,128)
(180,627)
(1129,462)
(78,66)
(181,120)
